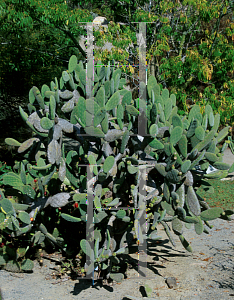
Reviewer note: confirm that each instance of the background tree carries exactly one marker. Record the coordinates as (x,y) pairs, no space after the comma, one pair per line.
(189,45)
(189,48)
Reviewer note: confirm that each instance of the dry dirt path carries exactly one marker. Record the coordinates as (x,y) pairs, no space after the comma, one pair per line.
(207,273)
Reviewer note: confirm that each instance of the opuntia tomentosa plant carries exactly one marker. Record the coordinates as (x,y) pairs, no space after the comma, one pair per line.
(104,120)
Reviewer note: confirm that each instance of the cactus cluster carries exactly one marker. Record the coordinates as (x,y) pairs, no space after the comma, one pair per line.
(104,120)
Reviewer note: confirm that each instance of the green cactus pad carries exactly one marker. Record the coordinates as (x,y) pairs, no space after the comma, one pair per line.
(205,122)
(161,169)
(66,95)
(85,246)
(79,197)
(208,109)
(12,142)
(168,207)
(211,157)
(194,110)
(199,227)
(185,243)
(54,152)
(211,214)
(211,119)
(22,173)
(72,63)
(121,214)
(200,133)
(104,124)
(31,96)
(176,121)
(116,83)
(222,134)
(194,141)
(100,97)
(168,108)
(181,192)
(118,277)
(92,106)
(96,132)
(161,113)
(200,146)
(156,144)
(221,166)
(75,114)
(153,130)
(231,168)
(165,95)
(12,266)
(59,200)
(27,265)
(38,97)
(68,106)
(70,218)
(127,98)
(108,164)
(132,169)
(212,146)
(216,174)
(167,230)
(153,113)
(183,142)
(62,169)
(176,135)
(113,101)
(52,107)
(24,217)
(116,73)
(12,180)
(199,117)
(113,203)
(23,114)
(132,110)
(99,116)
(173,99)
(185,166)
(7,207)
(192,128)
(124,141)
(193,202)
(197,160)
(46,123)
(65,76)
(152,82)
(186,124)
(20,207)
(216,122)
(173,176)
(88,118)
(93,163)
(31,108)
(177,226)
(112,86)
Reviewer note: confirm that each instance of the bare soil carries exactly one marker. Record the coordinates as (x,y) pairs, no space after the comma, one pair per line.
(207,273)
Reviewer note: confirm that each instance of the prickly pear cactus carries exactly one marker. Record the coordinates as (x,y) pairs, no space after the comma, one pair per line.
(130,174)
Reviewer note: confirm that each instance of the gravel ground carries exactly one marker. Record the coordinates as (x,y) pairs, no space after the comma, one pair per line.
(207,273)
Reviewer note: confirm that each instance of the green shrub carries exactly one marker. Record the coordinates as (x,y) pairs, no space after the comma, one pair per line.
(105,125)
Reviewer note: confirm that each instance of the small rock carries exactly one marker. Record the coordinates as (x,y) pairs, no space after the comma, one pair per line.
(171,282)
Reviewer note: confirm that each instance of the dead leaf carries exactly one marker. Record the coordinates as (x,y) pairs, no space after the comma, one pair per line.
(208,258)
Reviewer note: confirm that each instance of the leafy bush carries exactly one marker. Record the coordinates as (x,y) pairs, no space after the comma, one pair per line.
(93,199)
